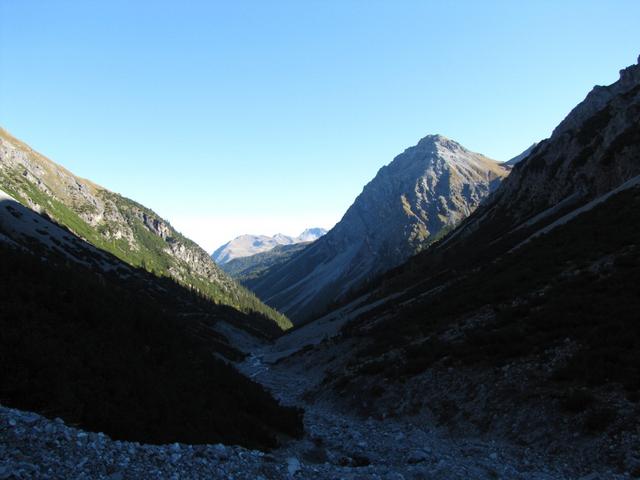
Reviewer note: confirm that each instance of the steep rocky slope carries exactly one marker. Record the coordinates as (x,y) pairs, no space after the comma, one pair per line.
(248,245)
(522,324)
(418,197)
(593,151)
(118,225)
(117,349)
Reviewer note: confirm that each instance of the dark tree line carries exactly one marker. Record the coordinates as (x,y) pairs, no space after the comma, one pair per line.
(111,357)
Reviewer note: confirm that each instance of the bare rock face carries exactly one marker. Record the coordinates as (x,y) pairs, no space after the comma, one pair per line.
(592,151)
(428,188)
(598,99)
(423,193)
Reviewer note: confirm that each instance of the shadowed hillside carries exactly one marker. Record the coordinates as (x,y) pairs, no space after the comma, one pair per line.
(111,349)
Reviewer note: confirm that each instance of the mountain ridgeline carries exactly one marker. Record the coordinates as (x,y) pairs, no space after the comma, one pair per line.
(495,304)
(249,245)
(251,268)
(117,349)
(591,158)
(425,192)
(535,294)
(118,225)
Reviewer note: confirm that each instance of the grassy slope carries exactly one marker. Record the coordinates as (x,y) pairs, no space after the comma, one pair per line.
(151,253)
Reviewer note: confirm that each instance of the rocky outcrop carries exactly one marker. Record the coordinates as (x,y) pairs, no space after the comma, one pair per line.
(594,150)
(423,193)
(598,98)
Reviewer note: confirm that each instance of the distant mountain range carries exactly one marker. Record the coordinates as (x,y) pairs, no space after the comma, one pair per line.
(417,198)
(249,269)
(248,245)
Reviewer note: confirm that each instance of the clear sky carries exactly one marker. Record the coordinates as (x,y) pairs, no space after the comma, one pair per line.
(264,116)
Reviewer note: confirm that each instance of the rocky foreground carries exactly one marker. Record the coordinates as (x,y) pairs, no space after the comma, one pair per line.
(337,446)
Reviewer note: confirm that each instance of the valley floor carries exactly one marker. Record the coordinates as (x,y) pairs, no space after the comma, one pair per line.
(337,445)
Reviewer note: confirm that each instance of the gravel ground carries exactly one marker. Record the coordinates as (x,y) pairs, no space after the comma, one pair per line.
(336,446)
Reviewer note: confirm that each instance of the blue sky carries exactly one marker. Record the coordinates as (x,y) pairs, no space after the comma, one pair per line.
(264,116)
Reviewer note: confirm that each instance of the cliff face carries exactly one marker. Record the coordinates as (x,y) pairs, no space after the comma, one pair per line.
(592,151)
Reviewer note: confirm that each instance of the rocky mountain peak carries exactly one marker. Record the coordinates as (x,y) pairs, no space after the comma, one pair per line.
(435,166)
(598,98)
(630,76)
(434,139)
(283,239)
(593,151)
(422,193)
(436,142)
